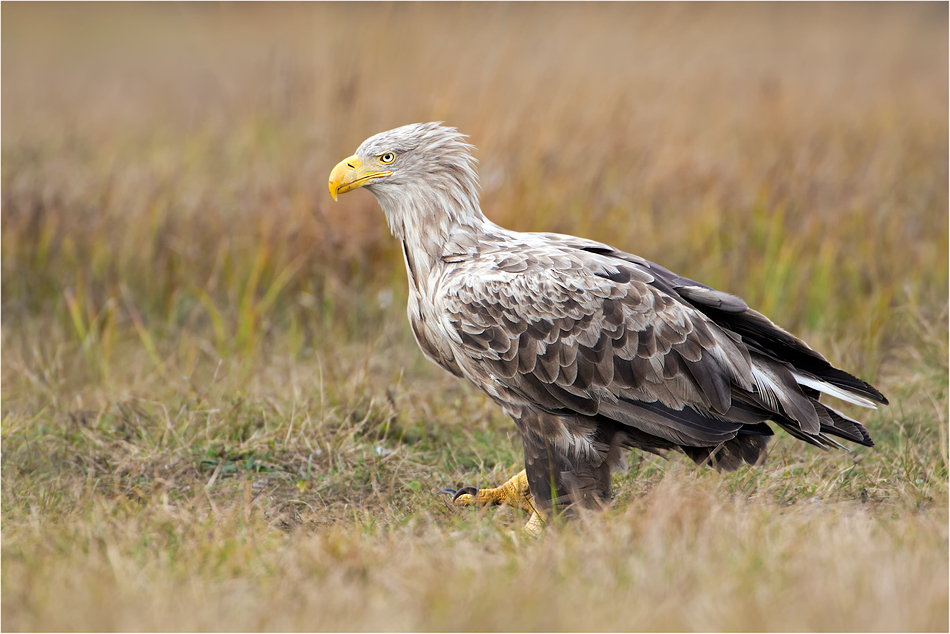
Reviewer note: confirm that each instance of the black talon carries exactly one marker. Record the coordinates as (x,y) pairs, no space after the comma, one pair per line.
(447,492)
(473,491)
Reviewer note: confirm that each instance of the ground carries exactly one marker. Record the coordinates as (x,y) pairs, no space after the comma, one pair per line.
(214,416)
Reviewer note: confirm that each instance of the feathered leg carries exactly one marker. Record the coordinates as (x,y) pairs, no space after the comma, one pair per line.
(557,475)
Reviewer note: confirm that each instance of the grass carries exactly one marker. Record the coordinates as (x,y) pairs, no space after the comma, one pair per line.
(214,416)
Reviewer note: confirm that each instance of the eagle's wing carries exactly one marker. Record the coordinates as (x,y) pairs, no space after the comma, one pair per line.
(811,369)
(570,328)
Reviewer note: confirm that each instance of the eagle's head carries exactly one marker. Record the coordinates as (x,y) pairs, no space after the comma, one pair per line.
(409,156)
(422,165)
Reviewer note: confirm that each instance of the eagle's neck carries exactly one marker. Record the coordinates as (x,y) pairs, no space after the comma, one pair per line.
(429,221)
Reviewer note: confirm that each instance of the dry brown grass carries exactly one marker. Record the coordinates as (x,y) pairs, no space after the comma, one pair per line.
(684,556)
(214,415)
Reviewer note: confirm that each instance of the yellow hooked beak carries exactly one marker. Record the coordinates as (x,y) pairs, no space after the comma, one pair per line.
(350,173)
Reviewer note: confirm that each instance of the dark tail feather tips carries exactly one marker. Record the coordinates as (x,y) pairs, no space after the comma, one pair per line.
(846,428)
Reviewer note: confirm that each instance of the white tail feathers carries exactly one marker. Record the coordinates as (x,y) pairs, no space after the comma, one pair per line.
(833,390)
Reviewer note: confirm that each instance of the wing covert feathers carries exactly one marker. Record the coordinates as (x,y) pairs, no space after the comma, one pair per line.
(568,327)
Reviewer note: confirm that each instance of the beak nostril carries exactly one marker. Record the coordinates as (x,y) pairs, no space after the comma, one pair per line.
(351,166)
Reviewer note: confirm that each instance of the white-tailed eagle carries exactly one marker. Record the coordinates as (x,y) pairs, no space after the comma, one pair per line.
(589,349)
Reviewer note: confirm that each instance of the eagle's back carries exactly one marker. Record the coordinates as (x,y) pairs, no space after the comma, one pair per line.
(572,327)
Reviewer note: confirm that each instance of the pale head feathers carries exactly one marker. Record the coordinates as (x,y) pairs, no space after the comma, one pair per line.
(433,178)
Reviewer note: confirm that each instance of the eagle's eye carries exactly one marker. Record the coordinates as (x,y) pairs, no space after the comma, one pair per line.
(388,157)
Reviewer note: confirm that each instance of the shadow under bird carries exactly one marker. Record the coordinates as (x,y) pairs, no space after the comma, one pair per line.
(590,350)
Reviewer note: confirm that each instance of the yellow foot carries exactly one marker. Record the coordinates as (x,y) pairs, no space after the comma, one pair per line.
(535,525)
(514,492)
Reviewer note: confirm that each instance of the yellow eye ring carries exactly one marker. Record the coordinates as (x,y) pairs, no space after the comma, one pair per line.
(387,158)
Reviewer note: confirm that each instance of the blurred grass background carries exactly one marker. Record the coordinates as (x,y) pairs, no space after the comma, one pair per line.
(194,333)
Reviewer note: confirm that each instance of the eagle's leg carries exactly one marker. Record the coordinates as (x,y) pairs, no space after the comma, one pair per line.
(514,492)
